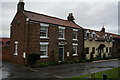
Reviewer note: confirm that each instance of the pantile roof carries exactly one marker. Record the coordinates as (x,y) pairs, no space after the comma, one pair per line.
(48,19)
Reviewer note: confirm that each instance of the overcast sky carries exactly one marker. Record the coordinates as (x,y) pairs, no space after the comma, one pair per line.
(91,15)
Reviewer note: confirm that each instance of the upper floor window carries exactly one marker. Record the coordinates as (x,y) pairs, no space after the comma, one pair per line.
(75,34)
(87,33)
(44,30)
(111,37)
(93,34)
(61,32)
(106,36)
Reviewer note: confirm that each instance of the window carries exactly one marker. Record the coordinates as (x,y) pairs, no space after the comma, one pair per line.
(87,34)
(87,50)
(8,43)
(1,43)
(93,34)
(111,37)
(110,49)
(106,36)
(75,34)
(93,50)
(16,48)
(75,49)
(61,32)
(43,32)
(106,49)
(44,49)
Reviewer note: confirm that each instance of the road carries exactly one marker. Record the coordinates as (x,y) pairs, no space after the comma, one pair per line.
(11,70)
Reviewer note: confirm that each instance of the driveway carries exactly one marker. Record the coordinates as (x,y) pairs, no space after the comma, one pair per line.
(11,70)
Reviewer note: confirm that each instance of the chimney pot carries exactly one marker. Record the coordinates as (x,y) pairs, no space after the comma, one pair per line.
(70,17)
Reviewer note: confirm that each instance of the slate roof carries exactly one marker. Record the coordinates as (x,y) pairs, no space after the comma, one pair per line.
(48,19)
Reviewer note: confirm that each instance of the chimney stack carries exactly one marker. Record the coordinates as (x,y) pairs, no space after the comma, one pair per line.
(103,30)
(70,17)
(20,6)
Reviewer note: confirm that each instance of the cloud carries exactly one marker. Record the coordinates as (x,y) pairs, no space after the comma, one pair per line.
(90,15)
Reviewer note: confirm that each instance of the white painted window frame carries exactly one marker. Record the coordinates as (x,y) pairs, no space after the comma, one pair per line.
(76,30)
(46,44)
(16,48)
(75,44)
(47,26)
(63,28)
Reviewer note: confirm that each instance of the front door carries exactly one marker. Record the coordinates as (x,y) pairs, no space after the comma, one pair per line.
(61,52)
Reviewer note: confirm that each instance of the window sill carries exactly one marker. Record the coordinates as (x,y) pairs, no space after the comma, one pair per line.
(75,55)
(75,39)
(44,37)
(61,38)
(44,56)
(15,54)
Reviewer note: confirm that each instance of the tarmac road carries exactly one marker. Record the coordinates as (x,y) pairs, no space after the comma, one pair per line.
(11,70)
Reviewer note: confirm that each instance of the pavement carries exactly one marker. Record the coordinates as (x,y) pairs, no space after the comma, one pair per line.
(11,70)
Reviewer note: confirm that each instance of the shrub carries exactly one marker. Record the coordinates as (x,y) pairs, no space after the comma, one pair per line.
(43,64)
(69,61)
(32,58)
(83,55)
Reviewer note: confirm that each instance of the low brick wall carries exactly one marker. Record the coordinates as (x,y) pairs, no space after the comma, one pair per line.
(6,53)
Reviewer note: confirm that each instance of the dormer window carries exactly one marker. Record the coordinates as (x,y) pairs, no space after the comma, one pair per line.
(93,34)
(87,33)
(111,37)
(106,36)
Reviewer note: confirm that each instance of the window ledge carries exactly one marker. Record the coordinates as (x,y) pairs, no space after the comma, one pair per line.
(75,55)
(44,56)
(15,54)
(44,37)
(75,39)
(61,38)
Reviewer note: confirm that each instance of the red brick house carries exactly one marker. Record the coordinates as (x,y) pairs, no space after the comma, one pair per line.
(53,38)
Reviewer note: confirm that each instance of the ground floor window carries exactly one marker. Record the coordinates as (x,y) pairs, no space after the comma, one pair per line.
(43,50)
(106,49)
(75,49)
(110,49)
(87,50)
(16,48)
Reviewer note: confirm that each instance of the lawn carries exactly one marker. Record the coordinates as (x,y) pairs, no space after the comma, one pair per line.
(112,73)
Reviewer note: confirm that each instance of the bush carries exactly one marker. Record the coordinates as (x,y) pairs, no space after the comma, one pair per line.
(43,64)
(32,58)
(69,61)
(83,55)
(51,63)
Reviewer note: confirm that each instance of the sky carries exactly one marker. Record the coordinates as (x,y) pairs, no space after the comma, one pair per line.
(88,14)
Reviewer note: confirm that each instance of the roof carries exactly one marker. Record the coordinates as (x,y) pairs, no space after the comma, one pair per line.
(4,40)
(100,35)
(48,19)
